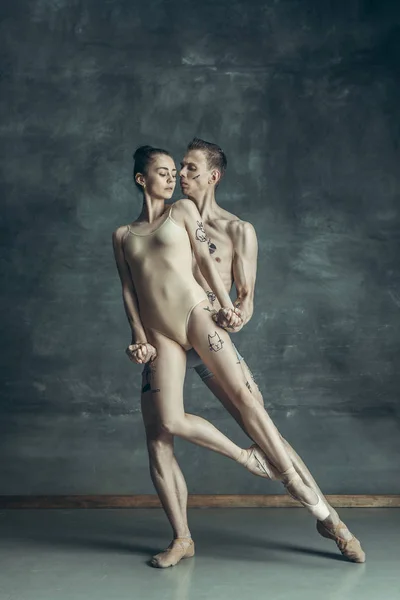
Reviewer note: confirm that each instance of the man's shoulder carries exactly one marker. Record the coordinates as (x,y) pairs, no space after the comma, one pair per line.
(237,228)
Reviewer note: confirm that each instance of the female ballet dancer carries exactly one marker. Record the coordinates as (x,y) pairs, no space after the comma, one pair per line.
(169,313)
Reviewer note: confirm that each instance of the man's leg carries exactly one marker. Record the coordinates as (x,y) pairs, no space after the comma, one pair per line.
(342,535)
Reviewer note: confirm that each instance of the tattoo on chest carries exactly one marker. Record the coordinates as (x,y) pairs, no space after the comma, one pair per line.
(212,247)
(215,342)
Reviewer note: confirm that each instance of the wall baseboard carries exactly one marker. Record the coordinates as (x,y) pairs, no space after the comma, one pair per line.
(195,501)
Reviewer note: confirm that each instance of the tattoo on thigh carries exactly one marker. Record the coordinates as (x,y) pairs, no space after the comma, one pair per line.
(215,342)
(148,374)
(248,385)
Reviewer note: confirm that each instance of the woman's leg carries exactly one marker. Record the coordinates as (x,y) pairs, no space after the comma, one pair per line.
(166,475)
(215,348)
(166,388)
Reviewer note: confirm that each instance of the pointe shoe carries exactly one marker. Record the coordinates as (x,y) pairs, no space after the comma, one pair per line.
(319,510)
(178,549)
(258,464)
(351,549)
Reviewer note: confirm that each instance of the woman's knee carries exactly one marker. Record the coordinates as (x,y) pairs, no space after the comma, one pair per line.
(160,443)
(173,426)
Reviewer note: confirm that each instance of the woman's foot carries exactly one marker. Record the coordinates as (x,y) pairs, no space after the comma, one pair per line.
(179,548)
(301,492)
(255,461)
(348,545)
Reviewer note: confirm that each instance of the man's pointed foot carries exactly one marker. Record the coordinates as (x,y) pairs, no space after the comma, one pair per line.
(178,549)
(351,548)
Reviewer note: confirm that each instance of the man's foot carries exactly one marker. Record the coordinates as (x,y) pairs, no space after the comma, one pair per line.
(350,548)
(179,548)
(255,461)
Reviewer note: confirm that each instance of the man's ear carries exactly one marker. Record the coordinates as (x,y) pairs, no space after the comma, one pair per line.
(215,176)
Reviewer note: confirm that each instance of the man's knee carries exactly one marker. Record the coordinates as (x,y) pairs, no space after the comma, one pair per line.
(244,399)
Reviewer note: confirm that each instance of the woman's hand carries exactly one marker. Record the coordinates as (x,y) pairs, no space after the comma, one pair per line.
(141,353)
(229,319)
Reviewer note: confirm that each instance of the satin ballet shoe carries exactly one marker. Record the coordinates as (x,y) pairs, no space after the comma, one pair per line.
(178,549)
(319,510)
(351,549)
(258,464)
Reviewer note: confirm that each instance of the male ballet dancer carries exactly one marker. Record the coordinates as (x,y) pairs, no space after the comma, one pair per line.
(233,245)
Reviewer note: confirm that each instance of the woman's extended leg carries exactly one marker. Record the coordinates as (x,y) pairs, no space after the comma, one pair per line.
(166,388)
(215,348)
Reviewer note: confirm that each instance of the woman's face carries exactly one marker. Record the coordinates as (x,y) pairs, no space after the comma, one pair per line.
(160,179)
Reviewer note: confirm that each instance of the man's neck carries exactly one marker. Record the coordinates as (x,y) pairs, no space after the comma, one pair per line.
(206,204)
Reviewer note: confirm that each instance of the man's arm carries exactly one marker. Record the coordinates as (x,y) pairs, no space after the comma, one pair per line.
(244,267)
(131,304)
(191,218)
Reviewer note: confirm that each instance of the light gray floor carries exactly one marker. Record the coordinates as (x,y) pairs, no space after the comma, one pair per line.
(243,554)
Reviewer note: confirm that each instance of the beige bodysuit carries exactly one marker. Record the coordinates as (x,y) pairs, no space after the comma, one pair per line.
(160,263)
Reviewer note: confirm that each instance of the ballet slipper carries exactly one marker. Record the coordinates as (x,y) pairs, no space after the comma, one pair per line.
(319,510)
(351,549)
(258,464)
(178,549)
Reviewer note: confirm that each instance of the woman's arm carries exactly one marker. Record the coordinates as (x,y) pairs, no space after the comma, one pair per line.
(139,344)
(198,239)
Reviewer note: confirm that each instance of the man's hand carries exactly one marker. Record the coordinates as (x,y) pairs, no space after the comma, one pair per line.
(229,319)
(141,353)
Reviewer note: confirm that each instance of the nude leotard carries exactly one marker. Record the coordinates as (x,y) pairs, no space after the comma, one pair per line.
(160,263)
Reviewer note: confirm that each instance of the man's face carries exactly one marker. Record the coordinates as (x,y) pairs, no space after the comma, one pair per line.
(195,175)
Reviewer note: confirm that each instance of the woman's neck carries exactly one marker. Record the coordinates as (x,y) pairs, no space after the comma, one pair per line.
(152,208)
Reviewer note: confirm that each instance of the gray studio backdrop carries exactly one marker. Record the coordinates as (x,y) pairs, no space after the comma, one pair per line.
(304,98)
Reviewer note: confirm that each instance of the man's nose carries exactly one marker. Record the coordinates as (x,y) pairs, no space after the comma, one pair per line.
(182,171)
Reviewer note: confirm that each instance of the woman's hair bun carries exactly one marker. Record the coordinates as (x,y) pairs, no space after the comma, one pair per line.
(142,151)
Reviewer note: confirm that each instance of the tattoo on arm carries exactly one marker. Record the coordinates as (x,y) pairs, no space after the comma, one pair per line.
(211,297)
(200,232)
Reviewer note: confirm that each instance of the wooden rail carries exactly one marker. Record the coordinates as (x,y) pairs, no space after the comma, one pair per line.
(195,501)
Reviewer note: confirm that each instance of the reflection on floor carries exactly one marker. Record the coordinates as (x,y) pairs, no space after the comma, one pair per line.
(243,554)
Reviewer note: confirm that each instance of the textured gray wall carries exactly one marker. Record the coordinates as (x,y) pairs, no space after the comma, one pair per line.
(305,98)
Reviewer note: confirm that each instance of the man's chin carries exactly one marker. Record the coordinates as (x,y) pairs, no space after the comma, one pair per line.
(187,194)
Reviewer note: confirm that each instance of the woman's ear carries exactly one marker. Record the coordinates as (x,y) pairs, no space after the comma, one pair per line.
(140,179)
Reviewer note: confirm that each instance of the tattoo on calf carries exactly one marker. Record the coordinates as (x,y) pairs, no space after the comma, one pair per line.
(248,385)
(215,342)
(200,232)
